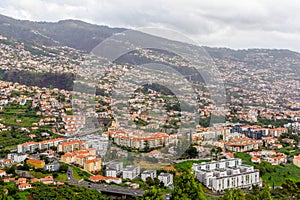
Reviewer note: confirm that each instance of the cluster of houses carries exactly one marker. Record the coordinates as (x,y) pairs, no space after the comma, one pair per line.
(24,183)
(115,172)
(270,156)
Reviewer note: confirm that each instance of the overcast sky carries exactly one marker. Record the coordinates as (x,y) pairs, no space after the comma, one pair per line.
(224,23)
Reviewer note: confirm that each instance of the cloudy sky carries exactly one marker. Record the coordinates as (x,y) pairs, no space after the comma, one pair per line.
(224,23)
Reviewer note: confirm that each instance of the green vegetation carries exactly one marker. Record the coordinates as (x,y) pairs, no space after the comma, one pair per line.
(273,174)
(186,187)
(39,174)
(267,122)
(79,173)
(17,116)
(187,165)
(65,192)
(154,193)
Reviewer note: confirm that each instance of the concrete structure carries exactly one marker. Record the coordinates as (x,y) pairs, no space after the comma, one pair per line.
(35,163)
(17,157)
(98,178)
(166,178)
(114,169)
(131,172)
(93,165)
(71,146)
(2,173)
(225,174)
(148,173)
(32,146)
(52,167)
(296,160)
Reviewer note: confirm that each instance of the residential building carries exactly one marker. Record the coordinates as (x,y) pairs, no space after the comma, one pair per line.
(225,174)
(71,146)
(47,180)
(166,178)
(32,146)
(114,169)
(296,160)
(17,157)
(93,165)
(24,186)
(242,144)
(52,167)
(131,172)
(148,173)
(28,147)
(36,163)
(2,173)
(98,178)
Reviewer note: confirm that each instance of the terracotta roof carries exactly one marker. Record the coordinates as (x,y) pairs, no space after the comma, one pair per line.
(92,160)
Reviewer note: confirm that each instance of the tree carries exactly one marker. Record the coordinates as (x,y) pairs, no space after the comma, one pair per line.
(218,151)
(149,181)
(154,193)
(233,194)
(187,188)
(63,168)
(3,195)
(146,148)
(191,152)
(291,189)
(265,193)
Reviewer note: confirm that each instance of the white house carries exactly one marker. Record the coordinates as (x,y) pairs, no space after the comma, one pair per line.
(131,172)
(166,178)
(148,173)
(2,173)
(114,169)
(24,186)
(17,157)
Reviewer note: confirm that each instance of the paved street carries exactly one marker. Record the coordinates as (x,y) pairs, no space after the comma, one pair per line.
(102,187)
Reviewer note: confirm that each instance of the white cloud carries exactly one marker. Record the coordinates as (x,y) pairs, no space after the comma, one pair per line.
(231,23)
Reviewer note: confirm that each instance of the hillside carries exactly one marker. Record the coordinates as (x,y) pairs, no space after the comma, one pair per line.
(72,33)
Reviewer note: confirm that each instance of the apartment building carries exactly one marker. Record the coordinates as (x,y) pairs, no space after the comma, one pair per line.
(226,174)
(92,165)
(139,141)
(131,172)
(73,123)
(32,146)
(35,163)
(114,169)
(166,178)
(148,173)
(242,144)
(71,146)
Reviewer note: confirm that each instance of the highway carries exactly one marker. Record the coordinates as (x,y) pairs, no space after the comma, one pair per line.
(84,133)
(108,189)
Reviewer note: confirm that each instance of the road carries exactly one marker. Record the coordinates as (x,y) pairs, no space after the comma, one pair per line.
(84,133)
(103,188)
(195,159)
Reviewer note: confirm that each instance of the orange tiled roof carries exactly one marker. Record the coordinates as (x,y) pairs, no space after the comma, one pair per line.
(92,160)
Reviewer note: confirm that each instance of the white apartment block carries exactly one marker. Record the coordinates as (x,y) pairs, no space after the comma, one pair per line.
(148,173)
(131,172)
(113,169)
(32,146)
(17,157)
(111,173)
(166,178)
(225,174)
